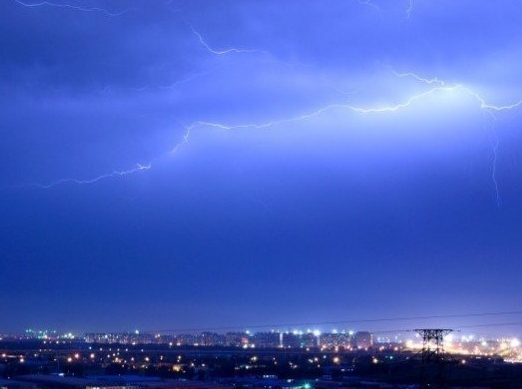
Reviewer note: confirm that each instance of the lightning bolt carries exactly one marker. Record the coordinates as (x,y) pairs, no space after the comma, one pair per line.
(429,81)
(221,52)
(240,50)
(116,173)
(494,170)
(184,81)
(143,88)
(73,7)
(438,86)
(435,86)
(369,4)
(322,110)
(497,108)
(410,8)
(441,86)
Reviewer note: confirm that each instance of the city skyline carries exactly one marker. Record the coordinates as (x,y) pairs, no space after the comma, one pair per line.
(336,342)
(186,164)
(488,325)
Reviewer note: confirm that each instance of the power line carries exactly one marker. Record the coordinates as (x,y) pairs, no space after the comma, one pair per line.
(491,325)
(338,322)
(455,328)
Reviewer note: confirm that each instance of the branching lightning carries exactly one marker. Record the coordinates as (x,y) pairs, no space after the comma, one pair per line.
(432,87)
(358,109)
(441,87)
(222,52)
(116,173)
(73,7)
(318,112)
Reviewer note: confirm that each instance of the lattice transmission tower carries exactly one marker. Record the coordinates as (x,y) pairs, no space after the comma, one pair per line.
(432,355)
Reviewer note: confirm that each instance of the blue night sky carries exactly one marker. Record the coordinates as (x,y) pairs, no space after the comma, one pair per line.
(185,164)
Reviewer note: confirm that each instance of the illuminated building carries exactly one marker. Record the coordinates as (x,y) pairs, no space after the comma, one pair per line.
(363,340)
